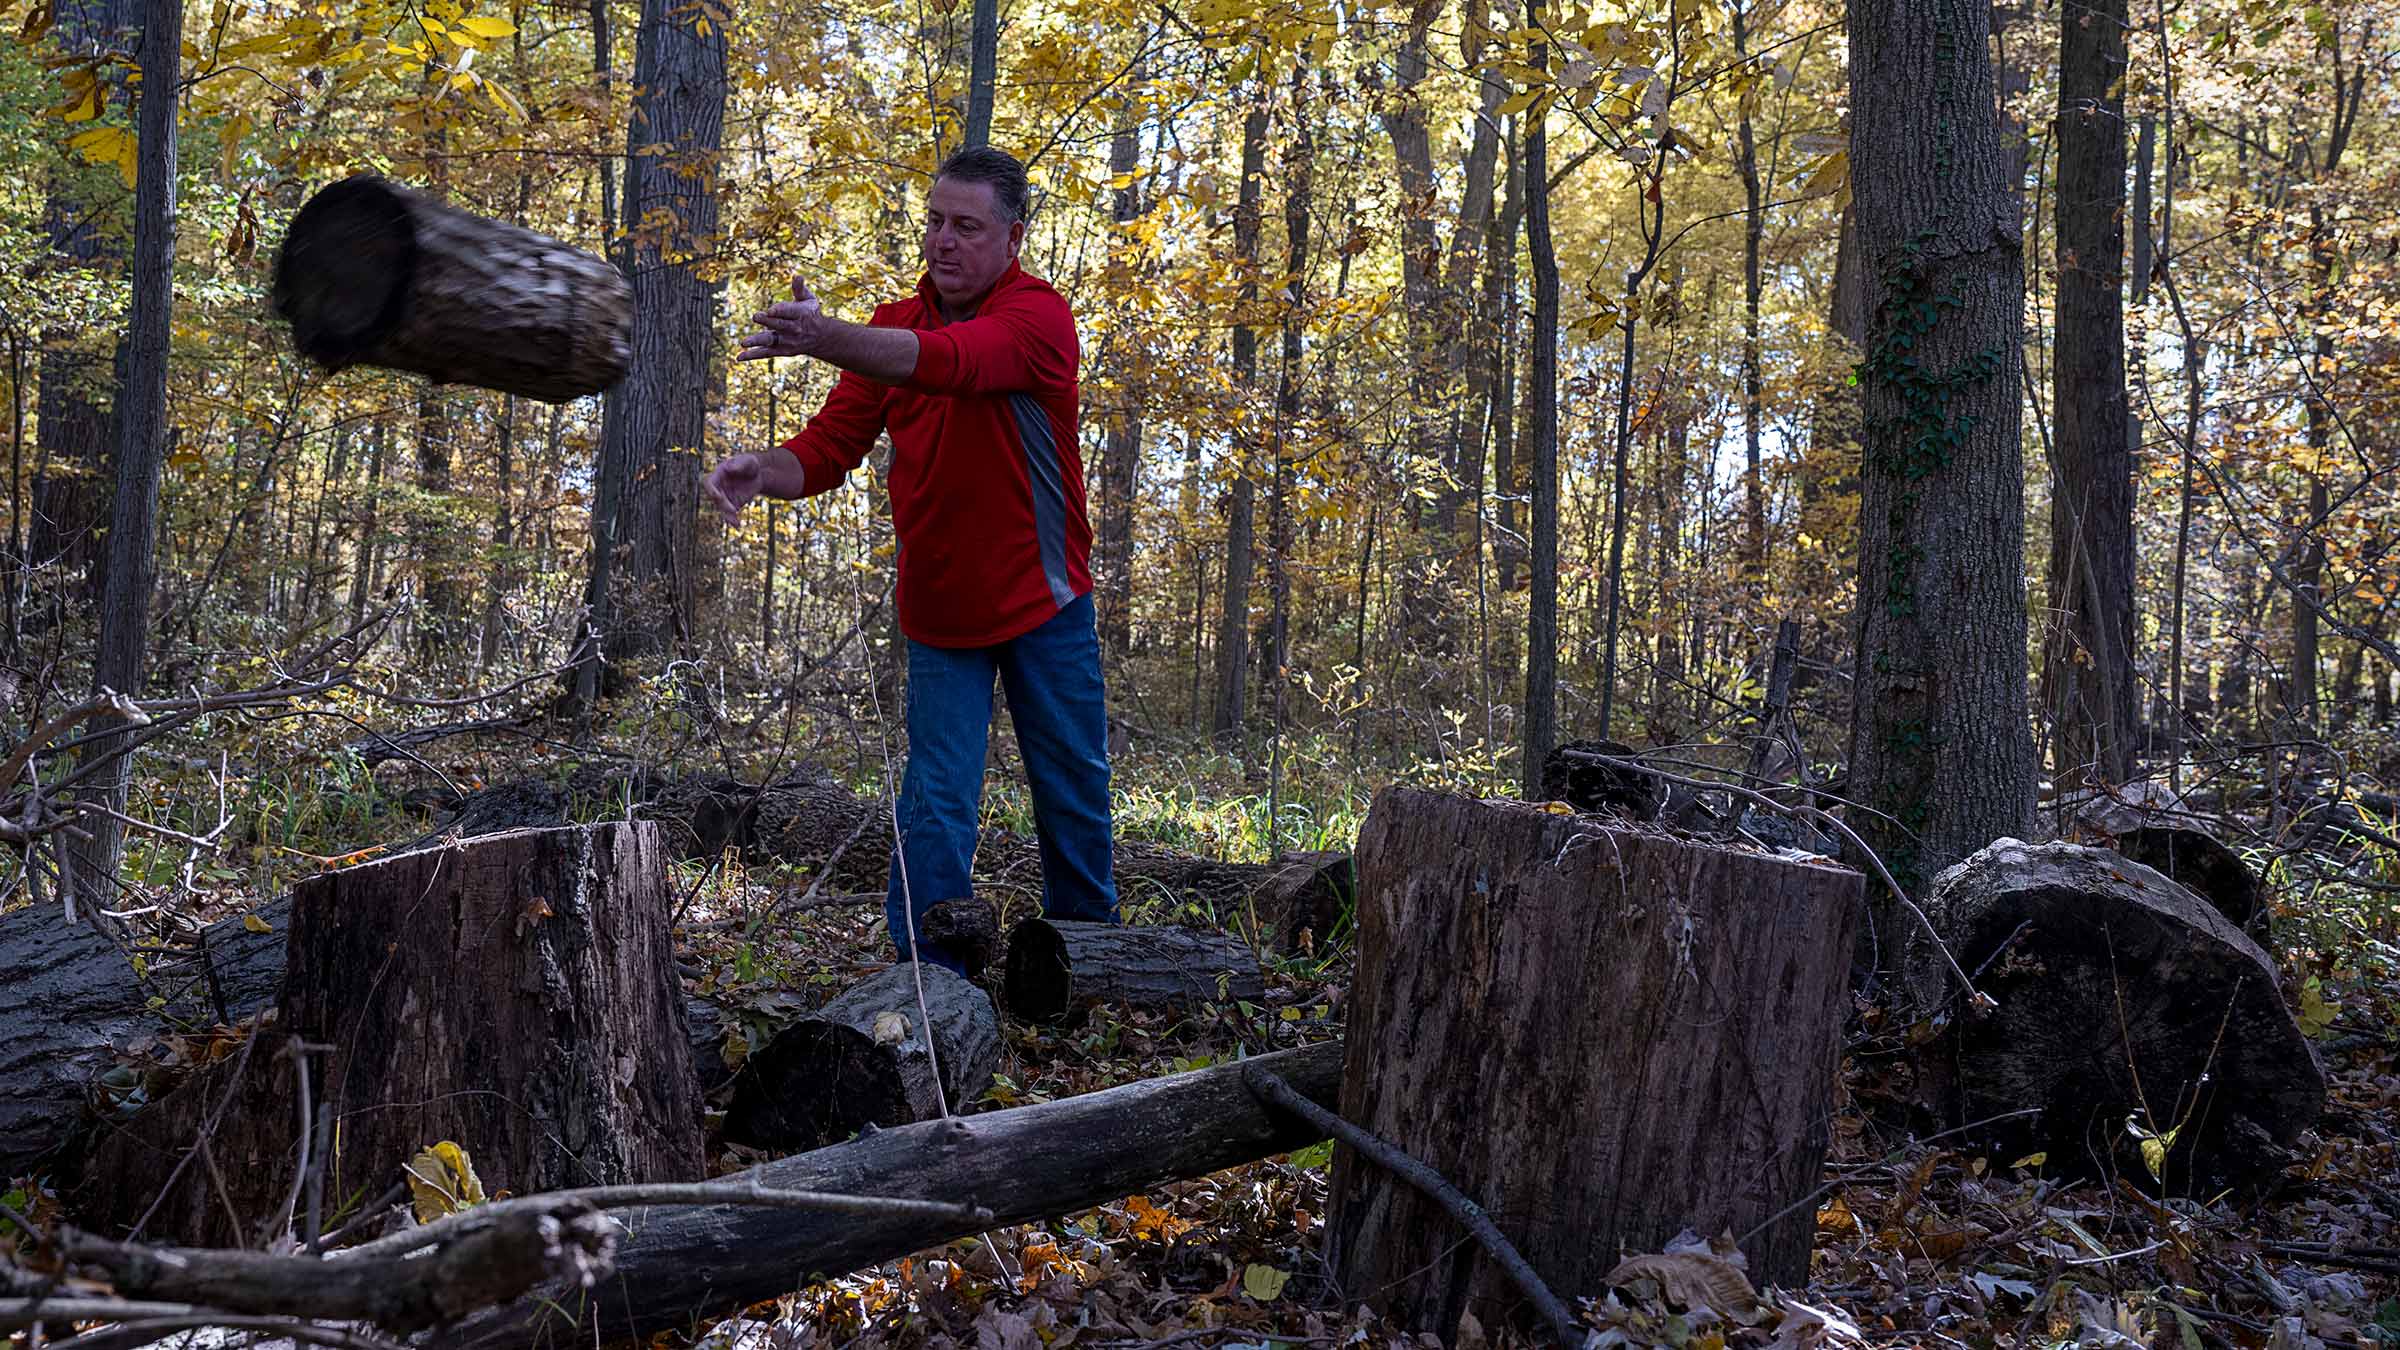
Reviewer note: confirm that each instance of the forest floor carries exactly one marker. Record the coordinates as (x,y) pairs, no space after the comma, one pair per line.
(1918,1242)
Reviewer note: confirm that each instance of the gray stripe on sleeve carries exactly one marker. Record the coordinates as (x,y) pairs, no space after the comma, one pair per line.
(1043,469)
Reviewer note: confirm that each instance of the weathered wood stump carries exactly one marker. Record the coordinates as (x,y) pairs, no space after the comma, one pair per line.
(1060,968)
(373,273)
(2123,997)
(516,995)
(869,1057)
(1602,1034)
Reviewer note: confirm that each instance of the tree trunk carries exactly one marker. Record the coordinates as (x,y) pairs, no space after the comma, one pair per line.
(671,203)
(374,273)
(1541,444)
(1120,464)
(370,536)
(1754,233)
(1233,627)
(516,995)
(132,566)
(1600,1034)
(679,1265)
(867,1059)
(983,44)
(2094,720)
(1940,748)
(2124,1001)
(76,433)
(1058,968)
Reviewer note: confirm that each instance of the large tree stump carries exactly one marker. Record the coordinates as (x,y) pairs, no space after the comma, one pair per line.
(1601,1033)
(373,273)
(2123,996)
(516,995)
(868,1058)
(1058,968)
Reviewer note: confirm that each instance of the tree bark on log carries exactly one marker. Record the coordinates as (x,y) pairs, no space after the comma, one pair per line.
(1058,968)
(868,1058)
(373,273)
(1031,1162)
(1602,1034)
(517,995)
(2122,996)
(2201,863)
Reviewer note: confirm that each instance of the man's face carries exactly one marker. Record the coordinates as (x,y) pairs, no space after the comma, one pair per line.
(969,240)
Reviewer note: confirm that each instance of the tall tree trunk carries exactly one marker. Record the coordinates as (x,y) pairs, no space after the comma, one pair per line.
(142,429)
(608,469)
(1754,233)
(983,73)
(1120,465)
(1941,752)
(370,525)
(2094,718)
(671,204)
(75,430)
(1298,202)
(1541,441)
(1233,626)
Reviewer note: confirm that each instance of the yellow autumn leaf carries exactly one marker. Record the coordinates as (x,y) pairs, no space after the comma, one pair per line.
(256,924)
(1264,1283)
(485,26)
(443,1180)
(1831,175)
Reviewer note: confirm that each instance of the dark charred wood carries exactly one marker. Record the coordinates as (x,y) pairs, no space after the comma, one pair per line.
(2122,997)
(869,1057)
(1058,968)
(1590,786)
(675,1266)
(373,273)
(2200,863)
(516,995)
(1306,894)
(1600,1033)
(966,929)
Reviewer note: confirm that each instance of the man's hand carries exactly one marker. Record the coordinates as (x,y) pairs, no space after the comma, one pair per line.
(801,327)
(738,479)
(794,327)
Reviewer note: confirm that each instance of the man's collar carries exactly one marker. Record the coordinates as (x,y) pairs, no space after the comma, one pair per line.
(933,298)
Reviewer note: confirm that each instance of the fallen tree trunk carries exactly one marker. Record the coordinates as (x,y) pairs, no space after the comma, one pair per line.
(2122,997)
(372,273)
(677,1265)
(1057,968)
(867,1058)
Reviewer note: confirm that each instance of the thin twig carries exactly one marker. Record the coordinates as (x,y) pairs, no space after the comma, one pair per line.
(1563,1323)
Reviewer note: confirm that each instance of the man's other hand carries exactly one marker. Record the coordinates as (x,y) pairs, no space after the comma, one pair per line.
(739,479)
(794,327)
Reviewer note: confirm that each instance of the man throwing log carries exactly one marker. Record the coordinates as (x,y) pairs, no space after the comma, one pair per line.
(974,376)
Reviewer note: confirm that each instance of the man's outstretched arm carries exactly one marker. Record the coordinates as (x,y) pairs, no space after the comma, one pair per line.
(800,327)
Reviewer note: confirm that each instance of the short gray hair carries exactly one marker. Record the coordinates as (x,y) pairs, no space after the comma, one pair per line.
(1005,173)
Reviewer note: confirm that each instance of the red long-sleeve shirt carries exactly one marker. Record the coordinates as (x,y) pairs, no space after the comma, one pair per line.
(986,479)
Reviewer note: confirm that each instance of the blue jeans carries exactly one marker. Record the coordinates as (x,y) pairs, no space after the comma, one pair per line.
(1055,699)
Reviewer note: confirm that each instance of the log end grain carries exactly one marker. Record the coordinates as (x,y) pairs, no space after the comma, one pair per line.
(343,275)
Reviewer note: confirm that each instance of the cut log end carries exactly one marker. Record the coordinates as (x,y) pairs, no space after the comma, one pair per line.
(852,1083)
(342,280)
(1038,978)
